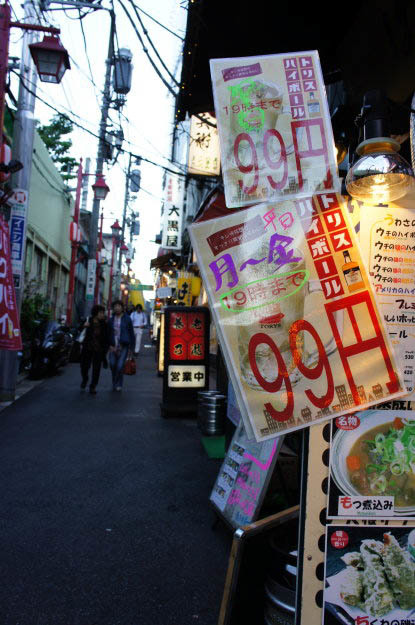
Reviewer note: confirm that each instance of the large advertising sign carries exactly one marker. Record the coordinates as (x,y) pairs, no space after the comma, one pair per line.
(274,127)
(10,337)
(299,325)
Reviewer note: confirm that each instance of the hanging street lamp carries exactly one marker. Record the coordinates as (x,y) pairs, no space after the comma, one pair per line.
(51,58)
(115,229)
(101,189)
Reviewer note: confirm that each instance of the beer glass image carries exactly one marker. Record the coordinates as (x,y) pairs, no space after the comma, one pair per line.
(255,107)
(275,320)
(254,104)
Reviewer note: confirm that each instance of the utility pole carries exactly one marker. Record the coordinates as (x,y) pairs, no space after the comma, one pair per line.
(23,136)
(124,215)
(93,228)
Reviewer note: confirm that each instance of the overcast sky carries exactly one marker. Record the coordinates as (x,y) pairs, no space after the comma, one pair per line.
(147,117)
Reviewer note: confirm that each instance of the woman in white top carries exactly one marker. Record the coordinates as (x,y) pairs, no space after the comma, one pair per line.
(139,321)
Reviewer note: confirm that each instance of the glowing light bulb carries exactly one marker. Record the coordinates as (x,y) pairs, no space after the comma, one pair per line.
(379,178)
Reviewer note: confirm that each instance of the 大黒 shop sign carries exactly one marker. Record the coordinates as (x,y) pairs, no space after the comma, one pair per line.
(299,326)
(275,134)
(173,213)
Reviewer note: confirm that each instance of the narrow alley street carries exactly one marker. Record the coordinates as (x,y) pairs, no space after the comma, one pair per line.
(105,518)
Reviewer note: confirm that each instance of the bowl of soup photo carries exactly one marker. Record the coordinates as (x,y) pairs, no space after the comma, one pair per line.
(377,459)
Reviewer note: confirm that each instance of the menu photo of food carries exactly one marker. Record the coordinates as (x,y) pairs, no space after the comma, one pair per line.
(372,465)
(369,575)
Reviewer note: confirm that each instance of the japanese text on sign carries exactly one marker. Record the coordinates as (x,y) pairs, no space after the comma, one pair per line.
(293,305)
(387,238)
(10,337)
(274,127)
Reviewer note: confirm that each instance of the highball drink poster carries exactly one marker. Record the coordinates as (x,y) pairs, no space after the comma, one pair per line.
(299,326)
(274,127)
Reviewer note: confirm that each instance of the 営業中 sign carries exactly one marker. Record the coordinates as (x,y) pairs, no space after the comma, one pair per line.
(299,326)
(274,127)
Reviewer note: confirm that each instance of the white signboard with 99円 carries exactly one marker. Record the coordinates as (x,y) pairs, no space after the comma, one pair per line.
(274,126)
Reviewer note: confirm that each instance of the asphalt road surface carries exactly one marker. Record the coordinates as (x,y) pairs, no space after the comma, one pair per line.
(104,516)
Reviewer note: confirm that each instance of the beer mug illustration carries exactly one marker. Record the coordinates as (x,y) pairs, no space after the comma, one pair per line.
(254,104)
(275,320)
(260,137)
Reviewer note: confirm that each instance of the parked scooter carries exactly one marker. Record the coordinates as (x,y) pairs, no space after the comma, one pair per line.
(51,349)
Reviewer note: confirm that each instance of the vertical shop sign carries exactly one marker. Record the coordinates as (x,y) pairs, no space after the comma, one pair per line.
(388,240)
(90,280)
(187,332)
(184,289)
(185,347)
(173,213)
(300,329)
(17,232)
(10,336)
(274,127)
(204,156)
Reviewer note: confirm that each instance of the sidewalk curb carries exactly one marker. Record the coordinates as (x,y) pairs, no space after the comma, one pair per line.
(23,386)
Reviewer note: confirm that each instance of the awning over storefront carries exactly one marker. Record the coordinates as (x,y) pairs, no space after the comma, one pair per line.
(166,260)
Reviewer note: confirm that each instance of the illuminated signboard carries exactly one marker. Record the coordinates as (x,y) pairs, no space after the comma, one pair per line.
(204,154)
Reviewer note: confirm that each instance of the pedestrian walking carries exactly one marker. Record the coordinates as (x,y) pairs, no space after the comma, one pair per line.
(94,347)
(122,341)
(139,319)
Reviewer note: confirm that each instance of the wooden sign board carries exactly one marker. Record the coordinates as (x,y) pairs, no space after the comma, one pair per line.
(238,582)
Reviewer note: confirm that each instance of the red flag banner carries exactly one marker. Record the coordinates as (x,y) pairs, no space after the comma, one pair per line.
(10,336)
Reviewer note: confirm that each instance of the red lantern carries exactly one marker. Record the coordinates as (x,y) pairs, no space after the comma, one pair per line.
(75,234)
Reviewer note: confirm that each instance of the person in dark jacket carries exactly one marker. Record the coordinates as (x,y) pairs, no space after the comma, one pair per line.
(122,341)
(94,347)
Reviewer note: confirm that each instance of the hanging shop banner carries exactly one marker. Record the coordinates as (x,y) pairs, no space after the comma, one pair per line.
(172,223)
(204,155)
(387,238)
(369,575)
(184,289)
(274,127)
(243,478)
(298,322)
(10,336)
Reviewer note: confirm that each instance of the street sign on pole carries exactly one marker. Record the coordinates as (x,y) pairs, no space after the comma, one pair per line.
(90,281)
(141,287)
(17,233)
